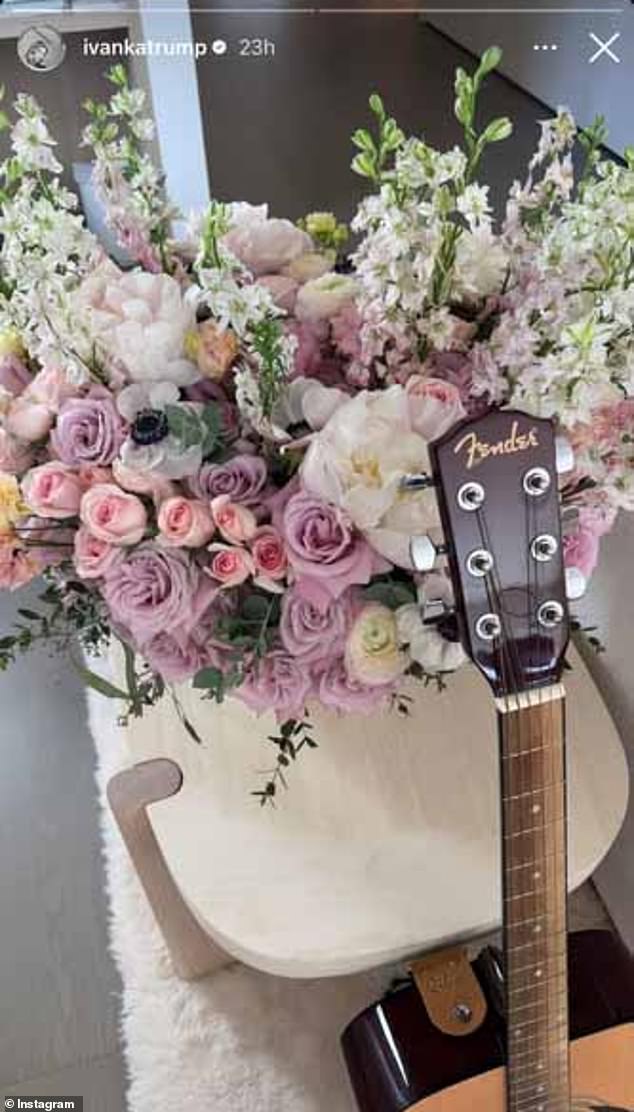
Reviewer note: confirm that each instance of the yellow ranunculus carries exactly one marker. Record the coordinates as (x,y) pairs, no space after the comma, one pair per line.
(10,343)
(12,508)
(373,655)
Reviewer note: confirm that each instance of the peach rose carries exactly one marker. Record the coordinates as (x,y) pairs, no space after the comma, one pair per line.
(90,475)
(185,522)
(269,553)
(230,565)
(52,490)
(93,557)
(113,515)
(434,405)
(235,522)
(214,349)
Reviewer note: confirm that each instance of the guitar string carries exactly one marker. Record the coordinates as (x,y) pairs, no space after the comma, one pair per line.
(506,647)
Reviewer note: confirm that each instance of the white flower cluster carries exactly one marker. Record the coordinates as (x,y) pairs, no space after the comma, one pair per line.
(566,339)
(427,240)
(126,180)
(46,249)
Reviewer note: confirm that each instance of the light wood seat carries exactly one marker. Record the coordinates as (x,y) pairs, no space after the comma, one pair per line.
(386,843)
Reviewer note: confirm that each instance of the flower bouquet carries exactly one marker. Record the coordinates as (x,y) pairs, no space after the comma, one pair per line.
(205,453)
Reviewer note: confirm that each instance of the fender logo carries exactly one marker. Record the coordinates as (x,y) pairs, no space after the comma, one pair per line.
(479,450)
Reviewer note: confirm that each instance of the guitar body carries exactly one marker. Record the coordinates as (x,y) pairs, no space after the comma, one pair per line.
(398,1060)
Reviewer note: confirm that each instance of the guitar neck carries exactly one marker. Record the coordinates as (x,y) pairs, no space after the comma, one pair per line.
(534,858)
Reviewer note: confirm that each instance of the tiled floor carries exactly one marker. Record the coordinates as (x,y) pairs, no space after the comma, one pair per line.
(58,986)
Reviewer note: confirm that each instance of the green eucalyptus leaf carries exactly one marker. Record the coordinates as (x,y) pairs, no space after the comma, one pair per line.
(98,683)
(391,595)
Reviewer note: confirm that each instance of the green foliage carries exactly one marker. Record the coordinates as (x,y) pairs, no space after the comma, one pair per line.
(390,592)
(216,683)
(215,224)
(253,627)
(374,155)
(293,736)
(266,339)
(192,427)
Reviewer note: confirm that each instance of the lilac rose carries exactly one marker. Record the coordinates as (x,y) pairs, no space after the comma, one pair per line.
(278,682)
(323,545)
(154,590)
(242,478)
(312,630)
(177,656)
(336,689)
(89,430)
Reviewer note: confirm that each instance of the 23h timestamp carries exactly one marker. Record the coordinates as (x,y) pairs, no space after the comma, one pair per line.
(256,48)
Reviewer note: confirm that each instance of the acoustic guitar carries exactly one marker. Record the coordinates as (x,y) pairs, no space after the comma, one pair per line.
(548,1024)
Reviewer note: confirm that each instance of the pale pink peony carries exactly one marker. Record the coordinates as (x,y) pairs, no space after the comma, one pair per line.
(142,321)
(185,522)
(52,490)
(93,557)
(434,405)
(113,515)
(282,290)
(229,565)
(235,522)
(263,245)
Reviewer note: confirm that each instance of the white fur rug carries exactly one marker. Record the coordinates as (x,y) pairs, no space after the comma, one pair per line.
(238,1041)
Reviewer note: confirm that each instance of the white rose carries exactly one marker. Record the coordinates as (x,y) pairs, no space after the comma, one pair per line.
(310,265)
(323,298)
(141,321)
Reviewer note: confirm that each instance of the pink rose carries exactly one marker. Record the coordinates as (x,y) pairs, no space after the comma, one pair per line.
(52,490)
(15,457)
(338,690)
(235,522)
(93,557)
(434,405)
(29,420)
(269,554)
(113,515)
(229,565)
(185,522)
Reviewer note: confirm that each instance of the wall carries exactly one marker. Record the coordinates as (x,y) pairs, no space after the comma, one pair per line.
(61,93)
(279,129)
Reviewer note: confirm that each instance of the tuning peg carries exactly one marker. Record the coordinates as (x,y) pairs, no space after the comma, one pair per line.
(424,553)
(576,583)
(418,481)
(564,455)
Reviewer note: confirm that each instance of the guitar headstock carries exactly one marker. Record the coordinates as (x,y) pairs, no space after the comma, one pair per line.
(496,481)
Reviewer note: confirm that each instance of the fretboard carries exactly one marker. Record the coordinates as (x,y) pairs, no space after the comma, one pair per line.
(533,782)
